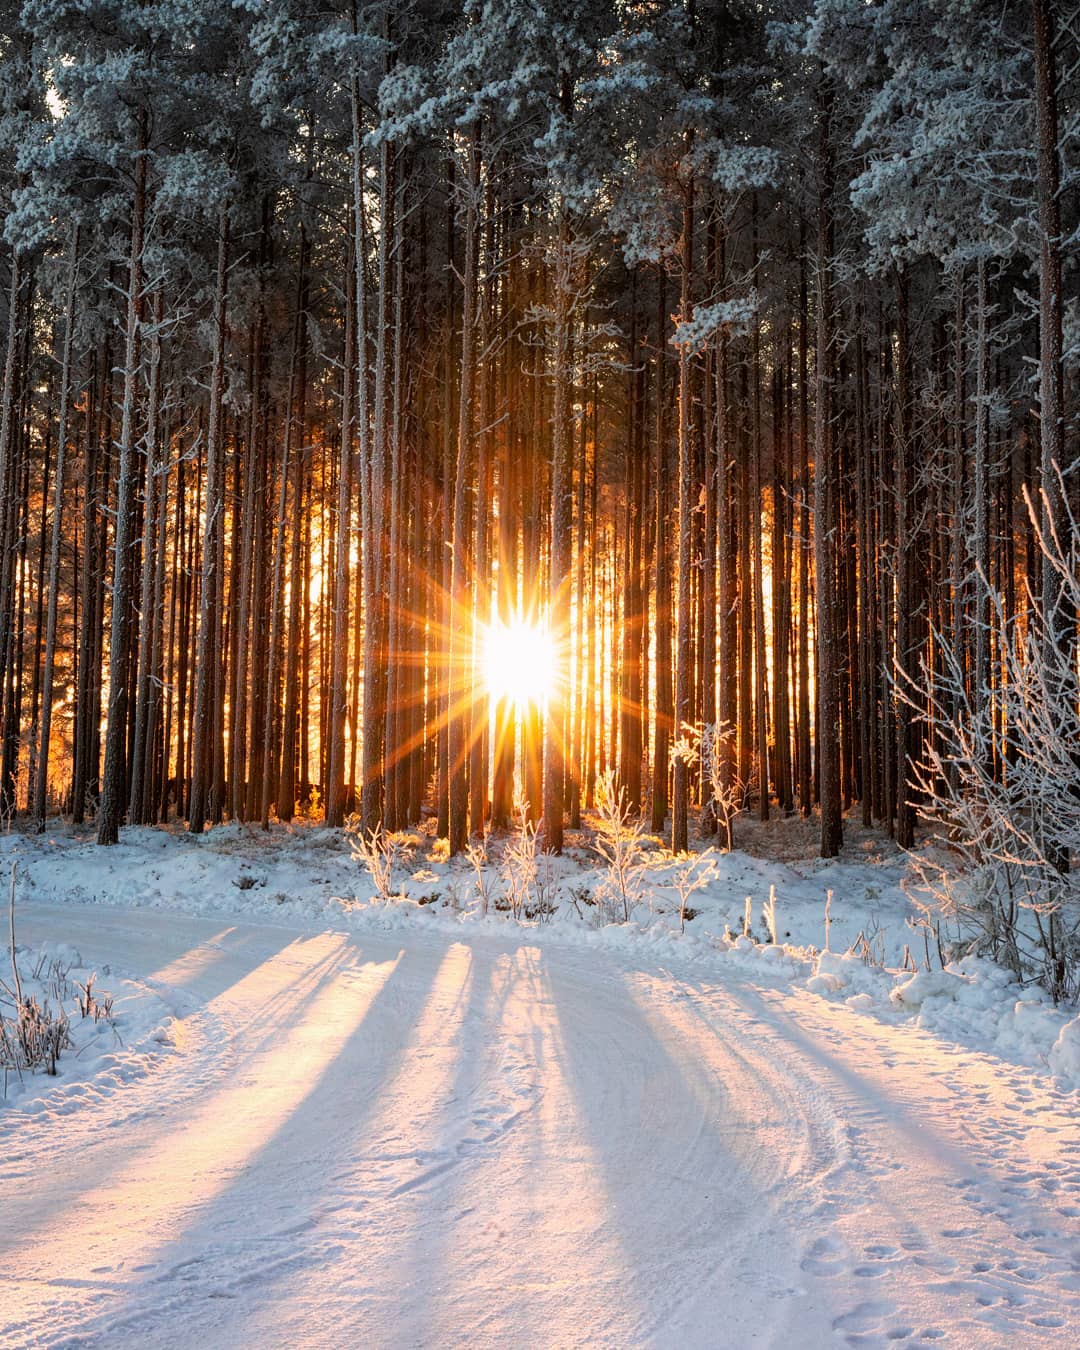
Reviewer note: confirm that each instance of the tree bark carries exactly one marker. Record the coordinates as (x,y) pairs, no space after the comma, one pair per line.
(114,778)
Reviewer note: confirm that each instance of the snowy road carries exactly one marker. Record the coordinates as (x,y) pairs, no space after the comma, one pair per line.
(360,1144)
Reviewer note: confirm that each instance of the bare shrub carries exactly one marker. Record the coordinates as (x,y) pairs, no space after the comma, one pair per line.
(693,875)
(518,864)
(476,852)
(380,852)
(91,1003)
(708,747)
(620,843)
(32,1035)
(1000,784)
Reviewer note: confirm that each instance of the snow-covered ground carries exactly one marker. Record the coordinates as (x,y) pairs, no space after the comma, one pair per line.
(338,1123)
(116,1028)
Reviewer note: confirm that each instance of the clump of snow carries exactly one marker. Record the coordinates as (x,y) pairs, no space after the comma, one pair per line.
(943,984)
(1064,1058)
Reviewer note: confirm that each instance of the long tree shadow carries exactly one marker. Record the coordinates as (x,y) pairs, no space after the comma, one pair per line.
(372,1242)
(112,1230)
(517,1235)
(197,1032)
(946,1142)
(470,1213)
(677,1145)
(877,1166)
(203,970)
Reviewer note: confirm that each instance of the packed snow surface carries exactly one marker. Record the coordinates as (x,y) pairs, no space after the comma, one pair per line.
(357,1125)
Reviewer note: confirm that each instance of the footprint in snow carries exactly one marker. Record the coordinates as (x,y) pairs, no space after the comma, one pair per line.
(865,1316)
(825,1256)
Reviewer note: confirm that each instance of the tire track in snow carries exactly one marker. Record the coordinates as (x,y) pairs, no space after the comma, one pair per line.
(890,1220)
(536,1146)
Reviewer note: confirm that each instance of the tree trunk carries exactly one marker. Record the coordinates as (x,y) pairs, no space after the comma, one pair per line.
(208,649)
(683,651)
(826,514)
(460,636)
(41,782)
(113,788)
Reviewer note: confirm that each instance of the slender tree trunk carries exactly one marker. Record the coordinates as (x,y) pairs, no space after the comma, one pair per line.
(288,786)
(683,651)
(1058,618)
(137,799)
(208,650)
(664,717)
(1059,625)
(271,787)
(41,783)
(826,514)
(335,797)
(562,519)
(460,636)
(981,542)
(113,788)
(907,668)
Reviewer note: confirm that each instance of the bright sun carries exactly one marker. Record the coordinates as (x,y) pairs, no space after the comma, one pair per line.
(519,662)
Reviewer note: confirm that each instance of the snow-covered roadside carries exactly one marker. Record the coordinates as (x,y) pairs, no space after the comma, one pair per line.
(116,1029)
(472,1141)
(306,876)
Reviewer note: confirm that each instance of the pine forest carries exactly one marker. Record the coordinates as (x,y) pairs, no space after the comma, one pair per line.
(732,350)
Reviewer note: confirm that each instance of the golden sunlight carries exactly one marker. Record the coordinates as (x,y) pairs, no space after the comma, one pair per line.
(519,662)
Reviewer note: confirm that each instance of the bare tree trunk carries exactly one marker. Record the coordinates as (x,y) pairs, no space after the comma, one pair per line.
(485,378)
(372,462)
(726,585)
(460,636)
(664,717)
(8,497)
(683,652)
(288,786)
(270,752)
(806,777)
(562,520)
(137,798)
(826,513)
(113,794)
(982,494)
(369,764)
(1059,626)
(208,653)
(335,797)
(907,667)
(41,782)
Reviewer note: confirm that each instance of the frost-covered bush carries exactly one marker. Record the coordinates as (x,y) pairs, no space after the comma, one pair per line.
(34,1036)
(709,747)
(620,843)
(477,854)
(528,882)
(1001,785)
(380,852)
(35,1026)
(517,867)
(693,874)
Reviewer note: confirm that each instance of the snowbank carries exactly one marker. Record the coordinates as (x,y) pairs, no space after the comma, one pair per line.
(104,1051)
(306,876)
(971,1001)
